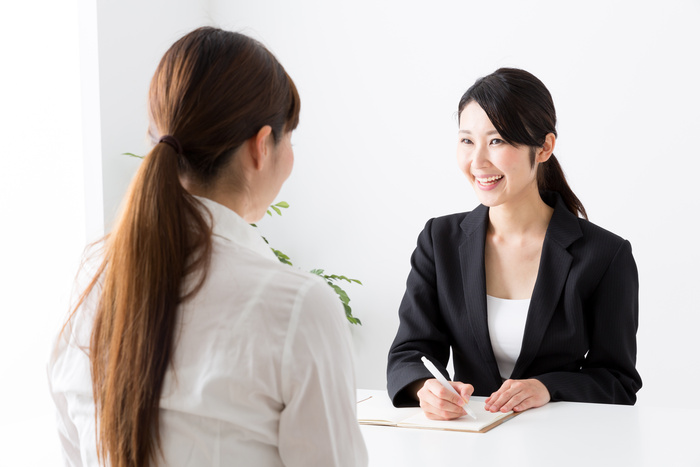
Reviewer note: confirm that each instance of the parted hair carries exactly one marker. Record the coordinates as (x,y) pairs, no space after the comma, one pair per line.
(212,91)
(521,109)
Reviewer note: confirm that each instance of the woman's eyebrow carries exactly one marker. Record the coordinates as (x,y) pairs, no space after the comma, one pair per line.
(489,133)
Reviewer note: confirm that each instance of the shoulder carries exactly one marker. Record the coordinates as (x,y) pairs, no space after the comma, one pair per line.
(296,279)
(578,234)
(449,221)
(605,252)
(456,224)
(283,276)
(301,290)
(596,238)
(593,249)
(244,279)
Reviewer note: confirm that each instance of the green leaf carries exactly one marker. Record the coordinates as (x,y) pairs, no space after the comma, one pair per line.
(341,293)
(131,154)
(334,277)
(349,316)
(275,207)
(282,257)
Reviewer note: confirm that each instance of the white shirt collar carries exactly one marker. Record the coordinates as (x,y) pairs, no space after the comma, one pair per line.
(229,225)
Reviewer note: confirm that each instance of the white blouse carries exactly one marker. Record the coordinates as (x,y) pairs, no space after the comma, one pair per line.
(262,371)
(506,328)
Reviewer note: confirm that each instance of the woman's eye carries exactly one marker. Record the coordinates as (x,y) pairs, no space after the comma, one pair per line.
(496,141)
(466,141)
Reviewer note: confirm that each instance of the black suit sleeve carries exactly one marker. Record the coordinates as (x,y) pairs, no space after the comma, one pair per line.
(608,373)
(421,326)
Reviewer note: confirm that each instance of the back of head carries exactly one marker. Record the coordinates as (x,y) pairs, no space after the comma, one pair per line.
(211,92)
(521,109)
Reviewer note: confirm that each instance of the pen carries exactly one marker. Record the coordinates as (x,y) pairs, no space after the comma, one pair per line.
(438,376)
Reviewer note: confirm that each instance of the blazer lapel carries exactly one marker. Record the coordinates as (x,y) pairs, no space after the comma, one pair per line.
(555,263)
(471,255)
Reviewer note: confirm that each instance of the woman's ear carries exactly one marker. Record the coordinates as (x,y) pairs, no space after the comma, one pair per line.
(547,148)
(260,147)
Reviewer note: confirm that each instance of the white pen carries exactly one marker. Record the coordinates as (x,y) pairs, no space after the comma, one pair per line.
(438,376)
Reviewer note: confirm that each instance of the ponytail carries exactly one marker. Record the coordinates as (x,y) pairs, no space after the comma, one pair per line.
(550,177)
(159,240)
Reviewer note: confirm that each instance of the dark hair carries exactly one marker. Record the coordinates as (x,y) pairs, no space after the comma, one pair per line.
(211,92)
(521,109)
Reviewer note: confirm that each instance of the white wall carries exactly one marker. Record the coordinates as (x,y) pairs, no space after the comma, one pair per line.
(41,214)
(132,36)
(51,186)
(380,82)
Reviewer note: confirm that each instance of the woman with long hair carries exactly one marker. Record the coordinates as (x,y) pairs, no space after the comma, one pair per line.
(535,302)
(191,345)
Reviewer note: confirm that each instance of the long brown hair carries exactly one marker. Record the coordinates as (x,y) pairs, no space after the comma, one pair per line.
(212,91)
(522,110)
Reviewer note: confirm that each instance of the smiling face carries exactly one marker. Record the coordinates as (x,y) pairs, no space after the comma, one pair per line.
(500,173)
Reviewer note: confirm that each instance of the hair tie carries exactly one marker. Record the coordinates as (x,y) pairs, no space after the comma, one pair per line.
(172,142)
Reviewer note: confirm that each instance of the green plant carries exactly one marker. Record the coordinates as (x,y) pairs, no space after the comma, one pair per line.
(330,279)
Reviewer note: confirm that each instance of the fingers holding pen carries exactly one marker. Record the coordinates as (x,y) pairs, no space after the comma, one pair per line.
(438,403)
(465,390)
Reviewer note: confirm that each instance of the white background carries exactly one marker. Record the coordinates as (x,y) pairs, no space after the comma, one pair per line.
(379,83)
(42,230)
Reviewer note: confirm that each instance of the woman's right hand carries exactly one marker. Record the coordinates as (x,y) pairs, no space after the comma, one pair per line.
(440,404)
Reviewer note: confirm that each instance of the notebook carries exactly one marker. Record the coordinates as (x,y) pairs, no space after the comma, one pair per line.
(377,409)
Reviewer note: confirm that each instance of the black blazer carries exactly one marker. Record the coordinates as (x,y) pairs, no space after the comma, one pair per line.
(580,333)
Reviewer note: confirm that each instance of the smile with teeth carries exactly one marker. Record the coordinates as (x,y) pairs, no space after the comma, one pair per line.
(489,180)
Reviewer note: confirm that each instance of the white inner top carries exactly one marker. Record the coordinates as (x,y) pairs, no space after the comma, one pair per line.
(506,328)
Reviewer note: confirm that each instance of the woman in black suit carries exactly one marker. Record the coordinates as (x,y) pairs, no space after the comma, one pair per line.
(536,303)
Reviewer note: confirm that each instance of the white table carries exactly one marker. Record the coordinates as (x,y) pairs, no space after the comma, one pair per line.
(558,434)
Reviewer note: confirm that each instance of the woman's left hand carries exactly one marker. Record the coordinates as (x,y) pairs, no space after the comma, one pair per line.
(518,395)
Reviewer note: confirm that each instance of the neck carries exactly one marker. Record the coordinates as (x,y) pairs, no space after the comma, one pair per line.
(529,215)
(236,201)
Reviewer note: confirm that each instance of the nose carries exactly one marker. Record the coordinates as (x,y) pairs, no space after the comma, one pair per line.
(480,156)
